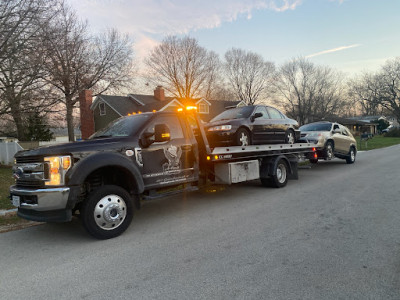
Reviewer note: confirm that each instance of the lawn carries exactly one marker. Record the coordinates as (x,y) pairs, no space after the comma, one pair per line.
(6,180)
(378,141)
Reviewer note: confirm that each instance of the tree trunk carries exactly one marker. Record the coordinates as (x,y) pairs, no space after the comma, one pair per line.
(17,117)
(70,121)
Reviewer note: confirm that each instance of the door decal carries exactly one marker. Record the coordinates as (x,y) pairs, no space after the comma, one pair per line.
(173,155)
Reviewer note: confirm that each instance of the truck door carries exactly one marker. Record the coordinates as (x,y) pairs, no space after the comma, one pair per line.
(171,162)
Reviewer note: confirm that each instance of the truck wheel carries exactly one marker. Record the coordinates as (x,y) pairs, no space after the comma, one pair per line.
(280,178)
(352,156)
(243,137)
(107,212)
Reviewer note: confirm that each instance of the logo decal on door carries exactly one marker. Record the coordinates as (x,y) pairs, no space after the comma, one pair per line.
(173,155)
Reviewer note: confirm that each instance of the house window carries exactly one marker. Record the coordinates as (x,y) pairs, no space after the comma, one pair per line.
(203,108)
(102,108)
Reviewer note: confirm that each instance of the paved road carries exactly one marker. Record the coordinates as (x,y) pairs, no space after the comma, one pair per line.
(333,234)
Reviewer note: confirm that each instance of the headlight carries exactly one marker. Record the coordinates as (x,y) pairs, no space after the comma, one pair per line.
(220,128)
(57,167)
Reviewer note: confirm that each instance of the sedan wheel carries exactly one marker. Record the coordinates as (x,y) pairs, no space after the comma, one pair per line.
(243,138)
(290,138)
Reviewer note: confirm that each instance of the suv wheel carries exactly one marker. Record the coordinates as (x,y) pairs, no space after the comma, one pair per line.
(351,158)
(329,151)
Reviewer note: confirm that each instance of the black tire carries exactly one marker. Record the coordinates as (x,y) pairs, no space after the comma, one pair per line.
(329,151)
(290,137)
(107,212)
(281,174)
(242,137)
(313,160)
(267,182)
(352,156)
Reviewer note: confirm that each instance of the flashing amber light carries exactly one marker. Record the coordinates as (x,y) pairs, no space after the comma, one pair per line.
(154,110)
(165,135)
(66,162)
(139,112)
(191,108)
(129,114)
(180,109)
(133,113)
(208,158)
(216,157)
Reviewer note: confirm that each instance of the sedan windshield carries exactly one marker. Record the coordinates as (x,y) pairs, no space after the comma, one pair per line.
(124,126)
(316,127)
(234,113)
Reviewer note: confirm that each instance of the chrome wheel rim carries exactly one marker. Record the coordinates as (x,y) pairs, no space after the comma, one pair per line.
(329,152)
(110,212)
(290,138)
(352,155)
(244,139)
(281,173)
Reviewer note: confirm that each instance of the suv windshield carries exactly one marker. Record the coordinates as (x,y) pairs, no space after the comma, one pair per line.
(316,127)
(124,126)
(234,113)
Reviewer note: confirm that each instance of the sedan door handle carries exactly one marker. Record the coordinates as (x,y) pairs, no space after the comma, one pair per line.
(186,147)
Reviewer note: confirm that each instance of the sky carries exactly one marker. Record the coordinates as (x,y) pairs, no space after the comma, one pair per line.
(352,36)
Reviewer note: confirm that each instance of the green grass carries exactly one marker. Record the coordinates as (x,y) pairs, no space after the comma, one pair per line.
(6,181)
(378,141)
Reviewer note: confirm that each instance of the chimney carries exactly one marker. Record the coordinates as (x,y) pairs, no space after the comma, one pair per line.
(159,93)
(87,120)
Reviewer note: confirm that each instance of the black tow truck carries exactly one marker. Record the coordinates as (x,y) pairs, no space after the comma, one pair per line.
(104,179)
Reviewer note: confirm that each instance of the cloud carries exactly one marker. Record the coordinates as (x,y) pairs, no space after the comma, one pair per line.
(143,18)
(333,50)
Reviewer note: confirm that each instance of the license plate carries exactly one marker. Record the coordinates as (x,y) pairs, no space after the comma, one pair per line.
(16,200)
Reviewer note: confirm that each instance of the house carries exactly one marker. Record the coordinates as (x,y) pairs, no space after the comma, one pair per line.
(107,108)
(357,127)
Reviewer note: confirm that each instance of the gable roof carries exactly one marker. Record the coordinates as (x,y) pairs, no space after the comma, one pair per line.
(124,105)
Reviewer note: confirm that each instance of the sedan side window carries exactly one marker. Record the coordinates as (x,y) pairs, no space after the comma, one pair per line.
(274,113)
(262,110)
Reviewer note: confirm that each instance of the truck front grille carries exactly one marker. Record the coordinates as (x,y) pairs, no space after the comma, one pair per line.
(30,172)
(30,184)
(28,159)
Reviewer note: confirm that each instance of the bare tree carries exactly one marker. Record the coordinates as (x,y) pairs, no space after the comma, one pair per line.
(380,90)
(77,61)
(248,74)
(364,91)
(184,68)
(21,58)
(307,91)
(388,81)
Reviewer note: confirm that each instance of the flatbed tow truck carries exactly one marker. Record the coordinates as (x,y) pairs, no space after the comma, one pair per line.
(104,179)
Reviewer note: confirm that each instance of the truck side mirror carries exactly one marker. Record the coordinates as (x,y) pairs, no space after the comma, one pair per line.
(161,133)
(255,116)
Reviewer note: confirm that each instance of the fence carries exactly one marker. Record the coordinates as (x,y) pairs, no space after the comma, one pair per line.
(7,152)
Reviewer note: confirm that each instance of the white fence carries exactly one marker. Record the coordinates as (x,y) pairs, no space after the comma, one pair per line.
(7,152)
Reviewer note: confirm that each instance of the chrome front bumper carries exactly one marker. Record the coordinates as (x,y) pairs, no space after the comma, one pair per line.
(42,199)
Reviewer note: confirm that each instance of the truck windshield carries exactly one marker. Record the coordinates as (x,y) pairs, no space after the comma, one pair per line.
(316,127)
(124,126)
(234,113)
